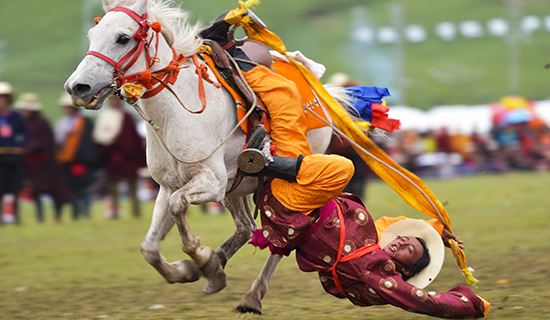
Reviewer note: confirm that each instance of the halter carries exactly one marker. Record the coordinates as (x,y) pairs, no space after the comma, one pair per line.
(153,81)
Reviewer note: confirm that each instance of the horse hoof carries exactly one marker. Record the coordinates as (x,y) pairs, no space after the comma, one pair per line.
(245,309)
(250,303)
(187,272)
(216,279)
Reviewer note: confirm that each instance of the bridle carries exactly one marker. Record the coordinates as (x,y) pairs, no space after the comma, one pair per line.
(147,83)
(155,81)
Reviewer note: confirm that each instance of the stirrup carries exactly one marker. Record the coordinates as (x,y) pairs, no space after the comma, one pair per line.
(251,161)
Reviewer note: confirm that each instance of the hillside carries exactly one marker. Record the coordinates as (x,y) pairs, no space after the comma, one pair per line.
(45,43)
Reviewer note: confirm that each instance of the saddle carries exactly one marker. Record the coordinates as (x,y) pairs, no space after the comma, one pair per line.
(251,53)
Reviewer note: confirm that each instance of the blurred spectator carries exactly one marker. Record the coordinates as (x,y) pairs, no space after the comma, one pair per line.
(509,147)
(42,170)
(341,79)
(123,153)
(13,136)
(79,154)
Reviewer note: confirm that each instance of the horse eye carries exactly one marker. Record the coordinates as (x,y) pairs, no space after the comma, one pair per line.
(123,39)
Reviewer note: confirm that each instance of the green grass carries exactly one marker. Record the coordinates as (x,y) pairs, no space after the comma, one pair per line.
(45,43)
(93,269)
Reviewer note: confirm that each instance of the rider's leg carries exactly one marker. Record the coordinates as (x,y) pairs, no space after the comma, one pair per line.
(286,114)
(319,178)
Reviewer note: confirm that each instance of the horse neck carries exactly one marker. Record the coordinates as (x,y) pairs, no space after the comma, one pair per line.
(182,130)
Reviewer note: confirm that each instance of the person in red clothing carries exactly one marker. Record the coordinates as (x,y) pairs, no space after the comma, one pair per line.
(123,153)
(388,261)
(42,171)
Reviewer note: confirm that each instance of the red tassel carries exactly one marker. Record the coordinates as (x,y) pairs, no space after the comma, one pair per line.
(380,118)
(156,26)
(97,20)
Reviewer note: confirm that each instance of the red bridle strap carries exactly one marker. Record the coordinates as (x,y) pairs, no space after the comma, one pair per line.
(153,81)
(131,57)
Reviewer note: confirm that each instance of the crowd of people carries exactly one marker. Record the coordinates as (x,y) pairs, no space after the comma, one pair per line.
(68,162)
(440,153)
(77,158)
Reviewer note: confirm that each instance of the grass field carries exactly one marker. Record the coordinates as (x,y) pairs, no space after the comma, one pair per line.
(94,270)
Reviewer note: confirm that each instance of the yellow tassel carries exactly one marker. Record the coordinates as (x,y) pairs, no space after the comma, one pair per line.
(460,257)
(205,50)
(133,90)
(252,3)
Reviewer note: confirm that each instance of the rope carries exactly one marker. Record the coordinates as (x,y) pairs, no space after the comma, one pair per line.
(158,132)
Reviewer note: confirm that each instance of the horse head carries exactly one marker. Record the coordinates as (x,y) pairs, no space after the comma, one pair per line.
(119,48)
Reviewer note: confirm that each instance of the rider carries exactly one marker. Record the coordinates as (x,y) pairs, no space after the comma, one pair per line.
(387,261)
(304,181)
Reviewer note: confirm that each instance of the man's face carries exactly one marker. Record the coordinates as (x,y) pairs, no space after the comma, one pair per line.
(405,250)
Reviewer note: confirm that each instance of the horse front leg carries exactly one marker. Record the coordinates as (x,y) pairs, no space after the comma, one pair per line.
(198,191)
(161,223)
(244,224)
(251,302)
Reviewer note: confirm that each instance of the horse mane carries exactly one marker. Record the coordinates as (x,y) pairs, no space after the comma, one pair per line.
(182,35)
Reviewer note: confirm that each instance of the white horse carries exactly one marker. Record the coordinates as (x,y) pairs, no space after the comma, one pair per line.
(191,156)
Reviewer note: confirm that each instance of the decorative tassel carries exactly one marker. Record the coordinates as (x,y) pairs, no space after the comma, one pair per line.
(252,3)
(380,118)
(156,26)
(461,261)
(132,90)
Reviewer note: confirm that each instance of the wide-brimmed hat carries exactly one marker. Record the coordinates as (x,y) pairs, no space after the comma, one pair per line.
(5,88)
(339,79)
(28,101)
(65,100)
(420,229)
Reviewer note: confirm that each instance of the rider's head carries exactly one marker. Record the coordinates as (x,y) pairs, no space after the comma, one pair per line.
(416,248)
(410,253)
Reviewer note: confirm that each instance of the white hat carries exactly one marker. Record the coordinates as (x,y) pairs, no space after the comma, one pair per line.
(5,88)
(421,229)
(65,100)
(28,101)
(339,79)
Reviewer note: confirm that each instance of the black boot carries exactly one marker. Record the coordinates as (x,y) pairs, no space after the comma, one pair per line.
(253,162)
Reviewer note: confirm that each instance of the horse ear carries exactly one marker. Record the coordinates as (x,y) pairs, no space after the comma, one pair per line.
(108,4)
(140,6)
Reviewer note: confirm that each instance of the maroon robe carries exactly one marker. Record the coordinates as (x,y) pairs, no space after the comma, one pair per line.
(126,154)
(42,169)
(372,279)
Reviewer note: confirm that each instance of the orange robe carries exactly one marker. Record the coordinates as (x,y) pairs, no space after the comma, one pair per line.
(321,177)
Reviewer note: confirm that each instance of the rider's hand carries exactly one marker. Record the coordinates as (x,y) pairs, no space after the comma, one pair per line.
(448,235)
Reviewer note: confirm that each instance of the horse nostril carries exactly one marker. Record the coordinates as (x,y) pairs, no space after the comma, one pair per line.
(81,89)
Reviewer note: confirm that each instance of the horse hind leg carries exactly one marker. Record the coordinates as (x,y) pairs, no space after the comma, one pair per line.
(204,257)
(244,224)
(180,271)
(251,302)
